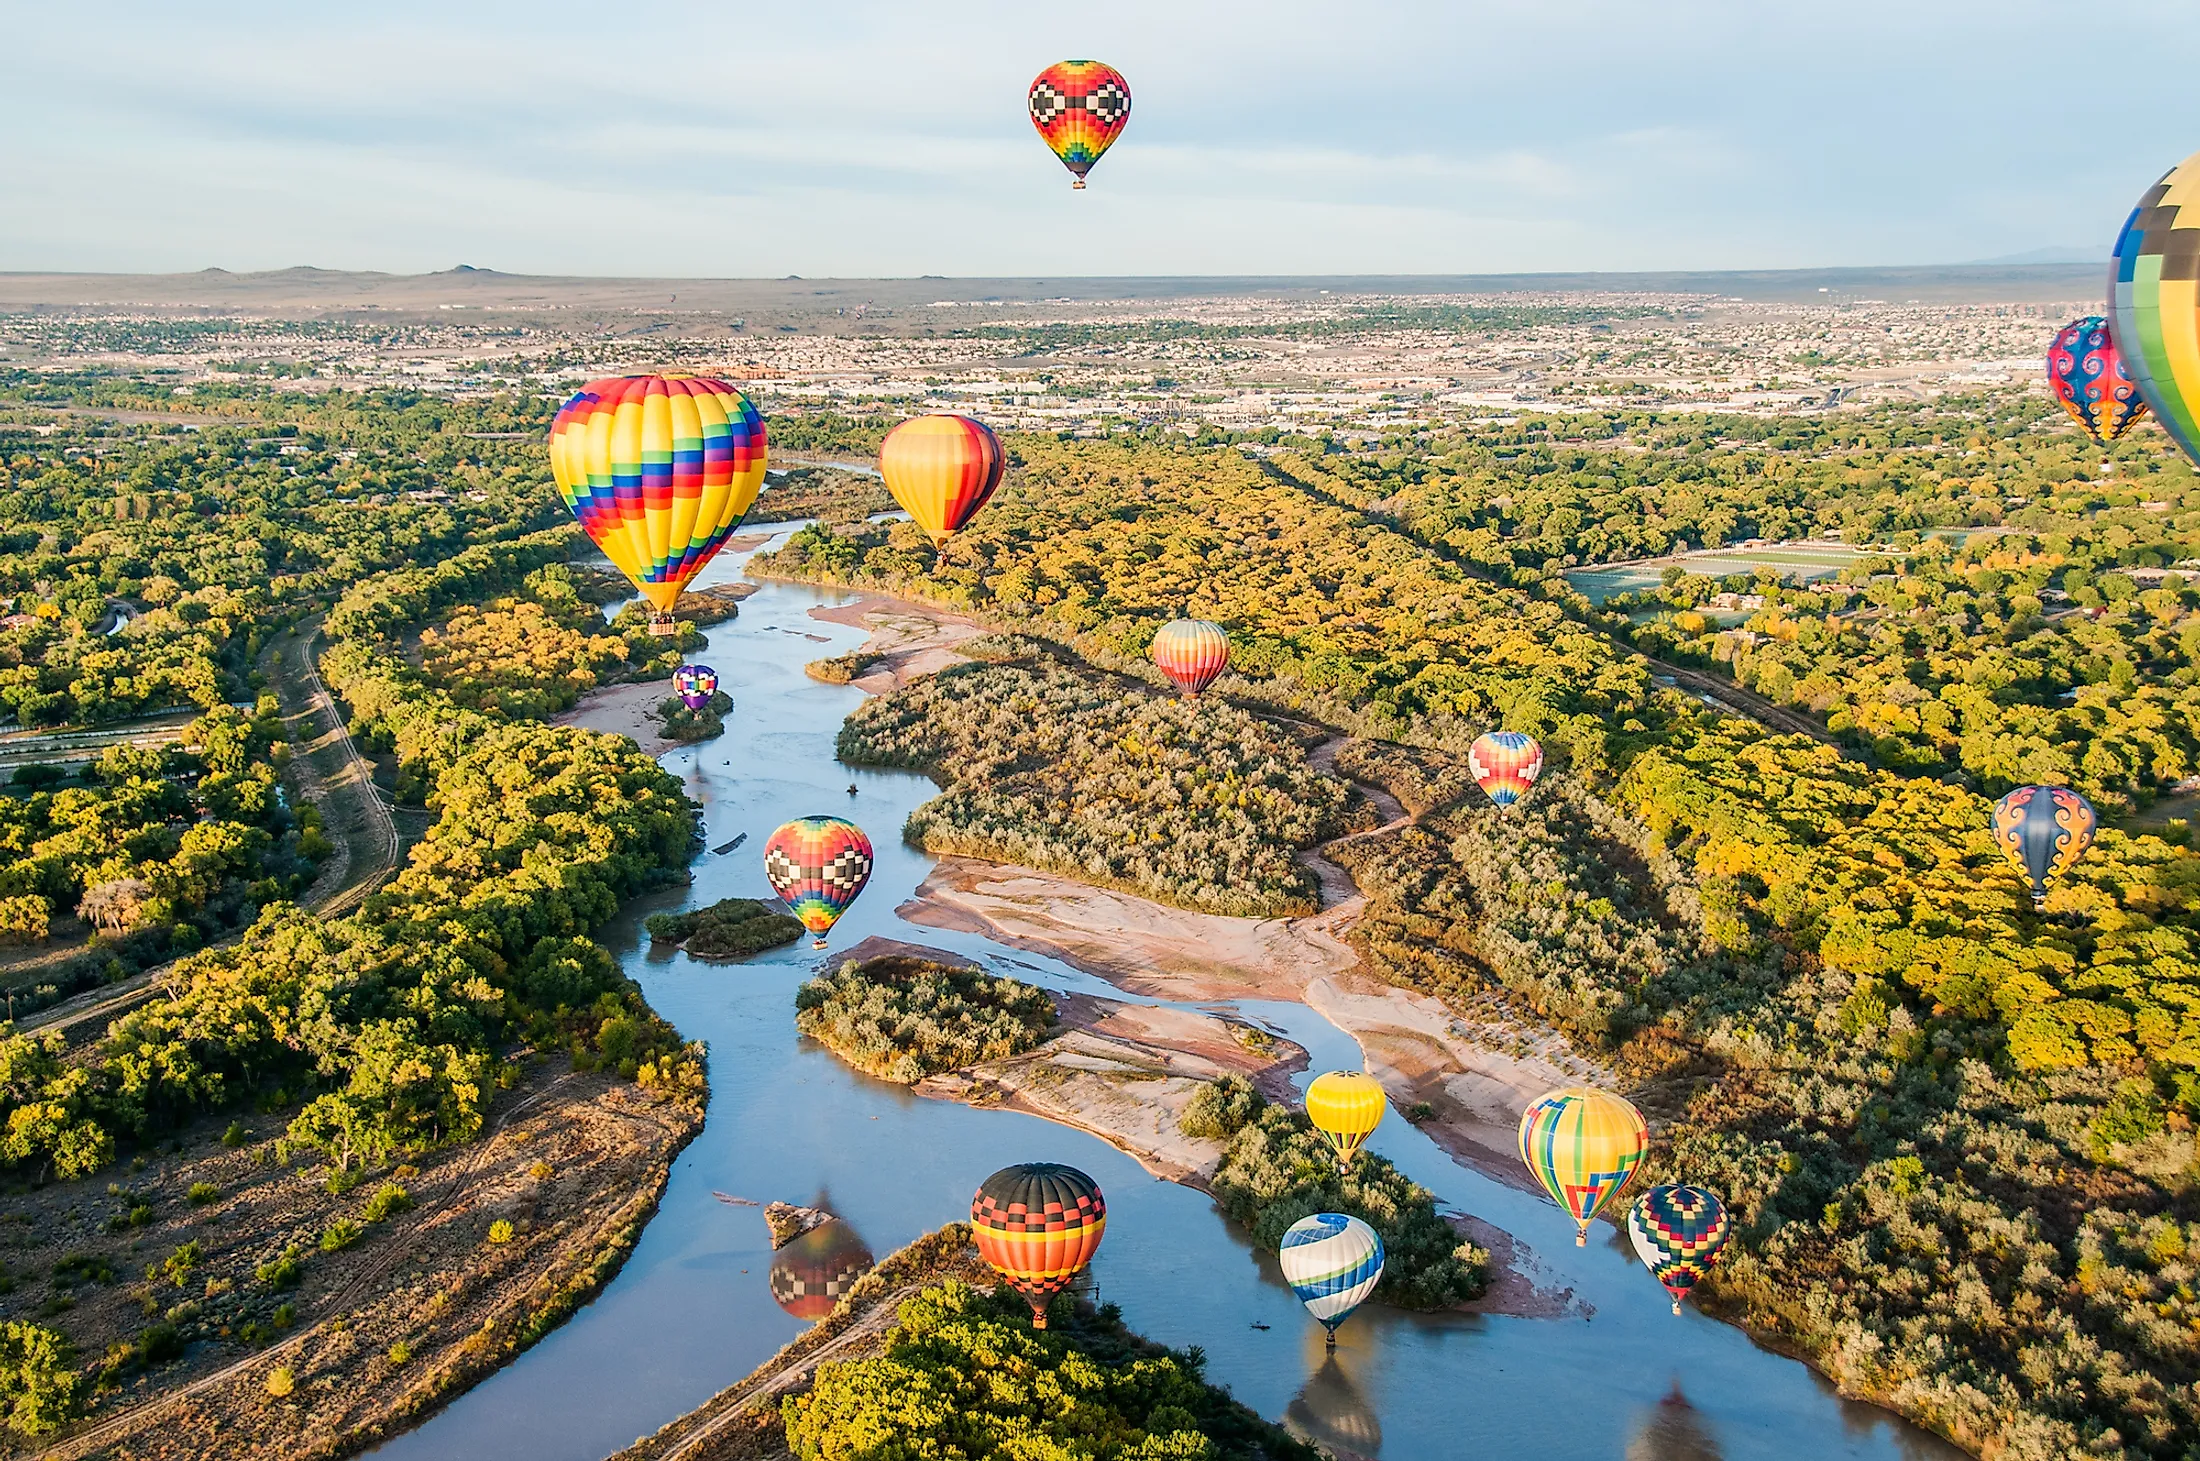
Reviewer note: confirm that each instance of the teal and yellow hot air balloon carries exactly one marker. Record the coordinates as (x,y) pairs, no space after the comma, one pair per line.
(2043,829)
(2154,301)
(1583,1145)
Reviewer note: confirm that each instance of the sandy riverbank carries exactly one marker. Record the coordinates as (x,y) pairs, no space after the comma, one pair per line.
(625,710)
(907,640)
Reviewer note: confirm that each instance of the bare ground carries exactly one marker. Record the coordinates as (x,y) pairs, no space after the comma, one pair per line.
(907,640)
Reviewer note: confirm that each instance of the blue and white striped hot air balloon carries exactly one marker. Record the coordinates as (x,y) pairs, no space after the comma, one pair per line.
(1332,1262)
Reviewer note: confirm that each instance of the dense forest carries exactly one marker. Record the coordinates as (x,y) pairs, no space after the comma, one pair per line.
(1956,1131)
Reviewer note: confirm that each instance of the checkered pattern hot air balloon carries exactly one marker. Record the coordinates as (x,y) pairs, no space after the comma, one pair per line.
(818,864)
(941,469)
(1345,1106)
(1678,1233)
(1505,764)
(2043,829)
(695,684)
(2088,377)
(1332,1262)
(658,470)
(811,1275)
(1191,652)
(1080,108)
(1582,1145)
(2154,301)
(1038,1224)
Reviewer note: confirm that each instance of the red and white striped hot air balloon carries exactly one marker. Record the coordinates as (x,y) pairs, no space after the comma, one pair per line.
(1191,652)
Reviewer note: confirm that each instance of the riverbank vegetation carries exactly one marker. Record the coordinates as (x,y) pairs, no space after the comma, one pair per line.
(1060,767)
(902,1019)
(726,929)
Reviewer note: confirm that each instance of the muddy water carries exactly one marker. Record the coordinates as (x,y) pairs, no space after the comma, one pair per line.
(693,1308)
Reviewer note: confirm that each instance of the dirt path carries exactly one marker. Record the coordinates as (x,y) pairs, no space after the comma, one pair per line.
(1341,900)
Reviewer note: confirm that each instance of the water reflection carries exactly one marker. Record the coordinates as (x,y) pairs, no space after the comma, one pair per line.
(814,1272)
(1331,1411)
(1673,1430)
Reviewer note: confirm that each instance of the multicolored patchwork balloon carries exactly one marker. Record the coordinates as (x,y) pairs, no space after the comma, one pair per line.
(1080,108)
(1332,1262)
(1582,1145)
(1679,1233)
(941,469)
(1191,652)
(1505,764)
(811,1275)
(658,470)
(1346,1106)
(1038,1224)
(2043,829)
(818,864)
(2088,377)
(2154,301)
(695,684)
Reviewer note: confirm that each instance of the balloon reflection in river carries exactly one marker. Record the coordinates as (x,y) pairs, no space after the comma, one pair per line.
(1673,1430)
(812,1274)
(1331,1411)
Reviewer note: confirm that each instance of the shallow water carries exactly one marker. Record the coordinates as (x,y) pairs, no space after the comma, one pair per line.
(692,1311)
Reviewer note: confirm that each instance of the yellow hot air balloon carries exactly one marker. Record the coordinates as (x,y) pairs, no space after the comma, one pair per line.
(1583,1145)
(941,469)
(1345,1106)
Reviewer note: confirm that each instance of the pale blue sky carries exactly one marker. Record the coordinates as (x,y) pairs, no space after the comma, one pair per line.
(826,138)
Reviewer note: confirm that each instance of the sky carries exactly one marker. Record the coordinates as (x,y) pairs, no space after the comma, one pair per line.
(867,139)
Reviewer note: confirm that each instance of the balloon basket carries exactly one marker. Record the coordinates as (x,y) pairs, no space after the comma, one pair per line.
(1078,185)
(1676,1308)
(817,944)
(1332,1338)
(663,625)
(1581,1238)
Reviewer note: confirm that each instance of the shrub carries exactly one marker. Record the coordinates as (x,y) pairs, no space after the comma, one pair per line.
(236,1135)
(281,1272)
(339,1235)
(1221,1108)
(388,1200)
(401,1353)
(902,1019)
(726,929)
(500,1231)
(202,1193)
(39,1384)
(281,1381)
(178,1265)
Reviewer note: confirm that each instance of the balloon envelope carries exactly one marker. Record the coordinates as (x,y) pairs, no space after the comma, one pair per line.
(658,471)
(1345,1106)
(1332,1262)
(1191,652)
(695,684)
(1038,1224)
(1582,1145)
(2087,374)
(941,469)
(1505,764)
(1080,108)
(2043,829)
(818,864)
(1679,1233)
(811,1275)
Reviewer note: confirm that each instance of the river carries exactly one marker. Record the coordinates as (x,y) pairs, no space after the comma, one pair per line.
(692,1310)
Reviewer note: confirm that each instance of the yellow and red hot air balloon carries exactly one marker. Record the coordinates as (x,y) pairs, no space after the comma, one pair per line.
(1191,652)
(1583,1145)
(1505,764)
(1080,108)
(941,469)
(1345,1106)
(1038,1224)
(658,470)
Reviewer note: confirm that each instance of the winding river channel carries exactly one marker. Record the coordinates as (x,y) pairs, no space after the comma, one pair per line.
(692,1310)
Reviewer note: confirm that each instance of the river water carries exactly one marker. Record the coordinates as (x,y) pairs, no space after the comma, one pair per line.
(692,1310)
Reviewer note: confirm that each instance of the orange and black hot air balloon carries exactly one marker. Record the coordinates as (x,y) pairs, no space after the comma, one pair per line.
(1080,108)
(1038,1224)
(941,469)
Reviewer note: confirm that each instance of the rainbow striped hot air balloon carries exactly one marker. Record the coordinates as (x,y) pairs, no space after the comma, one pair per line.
(1505,764)
(1332,1262)
(2154,301)
(818,864)
(695,684)
(1080,108)
(658,470)
(941,469)
(2088,377)
(2043,829)
(1345,1106)
(1679,1233)
(1038,1224)
(1191,652)
(1582,1145)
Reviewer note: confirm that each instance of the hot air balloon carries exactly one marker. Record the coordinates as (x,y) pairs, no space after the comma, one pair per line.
(2088,377)
(941,469)
(658,470)
(1080,108)
(1505,764)
(1345,1106)
(2044,829)
(695,684)
(1038,1224)
(1678,1233)
(1582,1145)
(1332,1262)
(818,864)
(2154,306)
(813,1273)
(1191,652)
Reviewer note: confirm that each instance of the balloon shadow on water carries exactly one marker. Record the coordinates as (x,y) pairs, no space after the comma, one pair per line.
(1331,1411)
(1673,1430)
